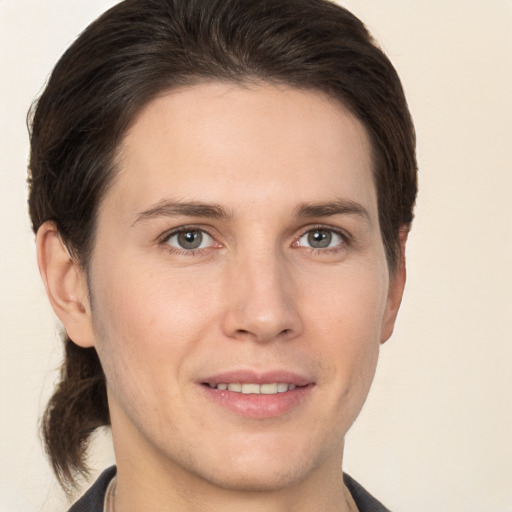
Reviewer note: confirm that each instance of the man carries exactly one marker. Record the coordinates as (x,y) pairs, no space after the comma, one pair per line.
(222,192)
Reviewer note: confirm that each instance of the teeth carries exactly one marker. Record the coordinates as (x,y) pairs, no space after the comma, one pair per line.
(255,389)
(268,389)
(250,389)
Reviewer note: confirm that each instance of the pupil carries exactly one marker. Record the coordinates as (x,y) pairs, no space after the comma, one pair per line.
(320,238)
(190,239)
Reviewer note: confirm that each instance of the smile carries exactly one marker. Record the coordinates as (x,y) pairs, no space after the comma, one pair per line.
(254,389)
(258,395)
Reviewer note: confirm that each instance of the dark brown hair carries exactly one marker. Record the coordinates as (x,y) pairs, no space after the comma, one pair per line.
(140,48)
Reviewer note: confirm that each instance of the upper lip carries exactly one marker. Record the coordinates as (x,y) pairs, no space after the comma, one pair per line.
(256,377)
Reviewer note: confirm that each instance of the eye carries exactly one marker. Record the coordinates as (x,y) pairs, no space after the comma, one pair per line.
(189,239)
(321,238)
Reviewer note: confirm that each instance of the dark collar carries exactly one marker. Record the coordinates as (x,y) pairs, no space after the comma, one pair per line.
(93,499)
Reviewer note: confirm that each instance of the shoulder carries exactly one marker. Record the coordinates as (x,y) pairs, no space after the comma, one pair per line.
(364,500)
(92,500)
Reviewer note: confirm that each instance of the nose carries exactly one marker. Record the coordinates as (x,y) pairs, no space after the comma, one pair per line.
(261,300)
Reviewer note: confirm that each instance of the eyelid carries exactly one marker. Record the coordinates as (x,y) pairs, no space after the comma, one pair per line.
(339,231)
(179,229)
(163,241)
(164,237)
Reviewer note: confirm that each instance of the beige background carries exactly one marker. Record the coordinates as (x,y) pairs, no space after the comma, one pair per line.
(436,433)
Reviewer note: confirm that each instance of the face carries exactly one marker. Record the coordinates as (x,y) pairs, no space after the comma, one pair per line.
(239,285)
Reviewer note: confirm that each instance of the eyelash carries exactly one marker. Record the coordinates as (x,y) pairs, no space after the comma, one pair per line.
(345,240)
(164,240)
(344,236)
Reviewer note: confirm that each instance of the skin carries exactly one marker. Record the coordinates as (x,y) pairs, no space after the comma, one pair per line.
(255,296)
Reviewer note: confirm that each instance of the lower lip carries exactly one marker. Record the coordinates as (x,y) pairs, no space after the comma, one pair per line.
(259,406)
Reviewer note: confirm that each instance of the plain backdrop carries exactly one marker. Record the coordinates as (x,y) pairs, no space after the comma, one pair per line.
(436,432)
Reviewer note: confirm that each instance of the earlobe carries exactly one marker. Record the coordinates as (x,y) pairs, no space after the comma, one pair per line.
(66,285)
(396,289)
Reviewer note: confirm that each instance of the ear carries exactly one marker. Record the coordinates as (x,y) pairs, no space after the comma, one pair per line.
(66,285)
(396,289)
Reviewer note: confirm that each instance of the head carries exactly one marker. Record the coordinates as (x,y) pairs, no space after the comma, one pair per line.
(136,67)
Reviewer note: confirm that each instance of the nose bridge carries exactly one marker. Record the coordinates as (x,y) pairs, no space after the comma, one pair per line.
(261,303)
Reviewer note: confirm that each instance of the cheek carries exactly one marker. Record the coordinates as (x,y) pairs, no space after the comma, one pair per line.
(146,326)
(349,304)
(346,316)
(151,308)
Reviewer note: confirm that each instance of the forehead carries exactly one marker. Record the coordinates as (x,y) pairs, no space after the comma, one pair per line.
(203,142)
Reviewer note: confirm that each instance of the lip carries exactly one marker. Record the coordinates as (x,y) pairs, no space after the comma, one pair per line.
(253,405)
(254,377)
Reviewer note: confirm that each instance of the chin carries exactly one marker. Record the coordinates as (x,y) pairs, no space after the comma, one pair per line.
(269,479)
(269,468)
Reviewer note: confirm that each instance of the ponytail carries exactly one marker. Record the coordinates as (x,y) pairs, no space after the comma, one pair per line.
(76,409)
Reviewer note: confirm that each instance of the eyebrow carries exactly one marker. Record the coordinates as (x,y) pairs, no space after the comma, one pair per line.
(170,208)
(330,208)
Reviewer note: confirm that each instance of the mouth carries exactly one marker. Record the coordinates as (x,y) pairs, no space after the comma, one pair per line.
(250,388)
(256,395)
